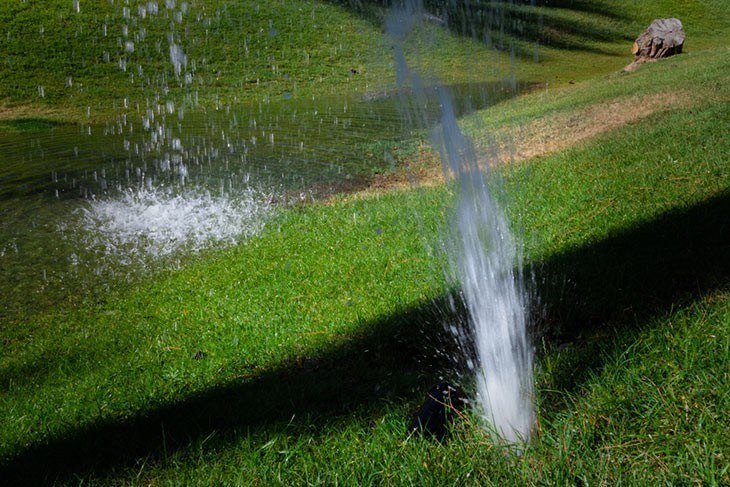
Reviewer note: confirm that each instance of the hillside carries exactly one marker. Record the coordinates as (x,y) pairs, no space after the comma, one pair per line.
(110,57)
(298,355)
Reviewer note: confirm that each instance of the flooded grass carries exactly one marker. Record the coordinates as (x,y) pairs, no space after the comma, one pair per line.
(25,125)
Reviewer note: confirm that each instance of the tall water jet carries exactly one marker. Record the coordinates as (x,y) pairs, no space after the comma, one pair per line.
(487,265)
(484,261)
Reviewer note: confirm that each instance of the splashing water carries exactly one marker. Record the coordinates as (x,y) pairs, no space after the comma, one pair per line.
(484,261)
(156,223)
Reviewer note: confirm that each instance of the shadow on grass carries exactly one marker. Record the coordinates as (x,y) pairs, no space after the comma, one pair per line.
(591,293)
(515,25)
(637,273)
(615,283)
(384,363)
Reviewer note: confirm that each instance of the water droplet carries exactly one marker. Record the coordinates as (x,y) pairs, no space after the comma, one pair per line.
(178,58)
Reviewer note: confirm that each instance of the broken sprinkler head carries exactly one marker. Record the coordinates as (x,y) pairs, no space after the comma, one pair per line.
(443,402)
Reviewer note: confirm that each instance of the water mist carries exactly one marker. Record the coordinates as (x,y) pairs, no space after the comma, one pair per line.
(483,258)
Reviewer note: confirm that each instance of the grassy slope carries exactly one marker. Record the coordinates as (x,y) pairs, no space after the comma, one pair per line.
(317,335)
(235,50)
(247,50)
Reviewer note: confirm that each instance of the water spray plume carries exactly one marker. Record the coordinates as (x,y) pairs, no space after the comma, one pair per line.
(154,223)
(484,261)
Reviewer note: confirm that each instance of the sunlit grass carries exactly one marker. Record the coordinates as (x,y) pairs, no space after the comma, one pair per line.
(67,64)
(297,356)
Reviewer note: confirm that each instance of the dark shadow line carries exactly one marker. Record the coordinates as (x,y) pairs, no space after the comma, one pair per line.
(509,26)
(615,283)
(637,272)
(587,6)
(380,364)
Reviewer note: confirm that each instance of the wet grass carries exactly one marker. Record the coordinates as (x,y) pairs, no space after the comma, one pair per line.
(77,66)
(28,125)
(298,356)
(56,57)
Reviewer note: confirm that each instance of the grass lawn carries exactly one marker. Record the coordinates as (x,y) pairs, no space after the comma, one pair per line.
(298,356)
(62,65)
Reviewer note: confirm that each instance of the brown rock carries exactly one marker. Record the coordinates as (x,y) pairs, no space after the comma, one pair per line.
(663,38)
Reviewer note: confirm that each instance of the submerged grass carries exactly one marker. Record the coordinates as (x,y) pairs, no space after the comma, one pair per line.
(297,356)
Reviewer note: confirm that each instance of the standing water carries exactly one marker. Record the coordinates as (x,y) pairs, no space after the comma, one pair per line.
(164,176)
(84,206)
(484,261)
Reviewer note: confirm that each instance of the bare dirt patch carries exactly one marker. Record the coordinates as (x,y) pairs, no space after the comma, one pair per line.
(560,131)
(539,137)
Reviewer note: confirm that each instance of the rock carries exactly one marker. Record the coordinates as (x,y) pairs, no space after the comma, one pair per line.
(663,38)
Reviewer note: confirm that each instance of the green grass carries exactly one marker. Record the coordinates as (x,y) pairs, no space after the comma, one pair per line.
(706,70)
(235,50)
(247,51)
(622,179)
(317,337)
(25,125)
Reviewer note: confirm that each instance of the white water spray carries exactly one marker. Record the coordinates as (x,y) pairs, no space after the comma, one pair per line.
(484,261)
(156,223)
(487,265)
